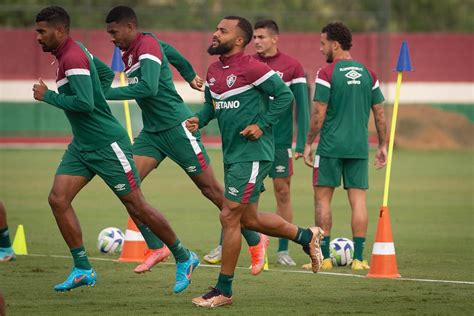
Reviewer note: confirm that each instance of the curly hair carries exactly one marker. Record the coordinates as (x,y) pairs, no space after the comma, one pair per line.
(338,32)
(54,15)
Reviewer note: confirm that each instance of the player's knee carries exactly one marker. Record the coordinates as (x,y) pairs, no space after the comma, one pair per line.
(57,202)
(228,218)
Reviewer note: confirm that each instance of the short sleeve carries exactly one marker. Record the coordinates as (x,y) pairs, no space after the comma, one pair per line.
(322,91)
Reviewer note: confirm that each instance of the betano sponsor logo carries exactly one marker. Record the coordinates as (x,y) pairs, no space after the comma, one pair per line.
(221,105)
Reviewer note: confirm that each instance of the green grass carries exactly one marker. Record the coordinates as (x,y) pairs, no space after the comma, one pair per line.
(431,204)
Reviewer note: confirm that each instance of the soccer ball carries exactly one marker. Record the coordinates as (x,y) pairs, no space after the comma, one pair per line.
(110,240)
(341,251)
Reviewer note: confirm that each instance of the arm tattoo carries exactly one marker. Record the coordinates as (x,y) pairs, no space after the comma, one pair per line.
(380,123)
(317,120)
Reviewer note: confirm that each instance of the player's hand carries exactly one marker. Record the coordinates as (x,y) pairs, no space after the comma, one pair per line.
(298,155)
(197,83)
(39,90)
(381,157)
(308,155)
(252,132)
(192,124)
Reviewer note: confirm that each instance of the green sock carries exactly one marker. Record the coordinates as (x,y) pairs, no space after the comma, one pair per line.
(224,284)
(152,241)
(325,246)
(282,244)
(5,238)
(359,243)
(179,252)
(80,258)
(252,237)
(303,237)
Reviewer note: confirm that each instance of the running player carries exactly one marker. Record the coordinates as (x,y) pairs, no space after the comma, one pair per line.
(237,94)
(100,146)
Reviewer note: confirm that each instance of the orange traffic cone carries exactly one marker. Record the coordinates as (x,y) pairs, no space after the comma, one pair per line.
(134,246)
(383,263)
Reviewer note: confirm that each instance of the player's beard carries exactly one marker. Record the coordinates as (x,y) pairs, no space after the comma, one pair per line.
(220,49)
(329,57)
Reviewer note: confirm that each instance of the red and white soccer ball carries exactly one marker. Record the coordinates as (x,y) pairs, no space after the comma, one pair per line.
(110,240)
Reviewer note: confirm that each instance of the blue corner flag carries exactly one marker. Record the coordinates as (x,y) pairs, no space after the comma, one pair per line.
(117,63)
(404,63)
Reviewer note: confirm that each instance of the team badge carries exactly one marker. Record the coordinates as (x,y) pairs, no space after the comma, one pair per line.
(130,59)
(231,80)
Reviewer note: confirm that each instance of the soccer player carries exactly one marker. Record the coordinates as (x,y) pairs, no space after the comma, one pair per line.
(100,146)
(6,250)
(164,133)
(237,94)
(345,93)
(265,39)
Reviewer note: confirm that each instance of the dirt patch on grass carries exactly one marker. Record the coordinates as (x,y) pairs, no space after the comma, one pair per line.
(426,127)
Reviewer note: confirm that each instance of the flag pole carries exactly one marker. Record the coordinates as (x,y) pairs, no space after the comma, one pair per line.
(383,263)
(118,66)
(403,64)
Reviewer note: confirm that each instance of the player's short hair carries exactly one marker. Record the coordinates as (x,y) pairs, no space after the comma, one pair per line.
(244,25)
(267,24)
(121,14)
(338,32)
(54,15)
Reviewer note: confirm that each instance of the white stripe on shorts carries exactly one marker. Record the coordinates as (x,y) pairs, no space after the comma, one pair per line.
(316,161)
(121,157)
(253,176)
(192,139)
(290,153)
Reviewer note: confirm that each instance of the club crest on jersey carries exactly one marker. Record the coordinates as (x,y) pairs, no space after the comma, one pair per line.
(231,80)
(130,60)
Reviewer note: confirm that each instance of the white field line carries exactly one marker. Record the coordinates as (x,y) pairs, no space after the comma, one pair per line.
(278,270)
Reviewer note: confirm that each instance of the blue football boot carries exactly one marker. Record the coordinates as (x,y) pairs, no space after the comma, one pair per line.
(77,277)
(7,254)
(184,271)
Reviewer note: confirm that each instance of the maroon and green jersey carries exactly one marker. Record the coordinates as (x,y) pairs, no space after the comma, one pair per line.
(349,89)
(292,74)
(80,96)
(150,83)
(237,94)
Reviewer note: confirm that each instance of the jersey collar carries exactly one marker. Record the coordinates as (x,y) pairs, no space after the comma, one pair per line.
(58,52)
(226,61)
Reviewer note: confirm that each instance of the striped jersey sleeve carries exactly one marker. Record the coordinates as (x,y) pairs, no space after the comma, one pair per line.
(377,96)
(323,86)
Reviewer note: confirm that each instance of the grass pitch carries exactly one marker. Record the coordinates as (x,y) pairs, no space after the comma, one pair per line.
(431,204)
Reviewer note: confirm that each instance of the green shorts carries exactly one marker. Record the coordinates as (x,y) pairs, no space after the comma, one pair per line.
(282,166)
(327,172)
(243,181)
(177,143)
(113,163)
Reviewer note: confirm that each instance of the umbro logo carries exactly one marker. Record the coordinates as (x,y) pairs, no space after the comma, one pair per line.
(120,187)
(280,169)
(191,169)
(353,75)
(233,191)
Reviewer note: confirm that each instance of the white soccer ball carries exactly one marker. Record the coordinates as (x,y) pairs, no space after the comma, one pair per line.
(110,240)
(341,251)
